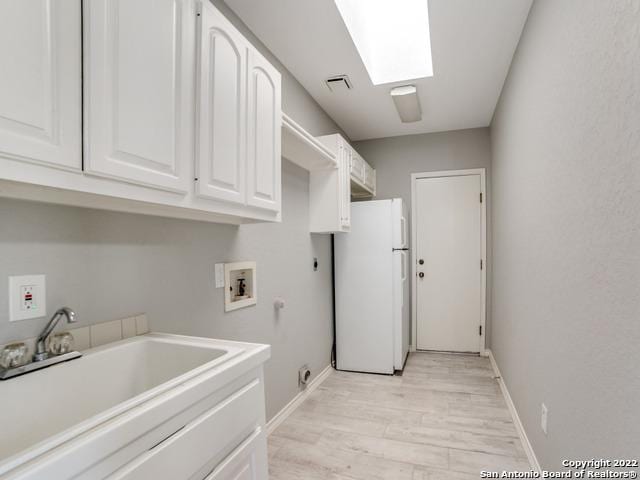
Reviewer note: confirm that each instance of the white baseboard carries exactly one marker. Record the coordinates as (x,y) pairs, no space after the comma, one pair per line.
(282,415)
(531,455)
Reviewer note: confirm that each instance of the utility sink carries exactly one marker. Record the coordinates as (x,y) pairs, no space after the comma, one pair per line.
(45,408)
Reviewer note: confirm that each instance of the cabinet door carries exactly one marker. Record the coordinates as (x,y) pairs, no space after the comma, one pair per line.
(264,134)
(221,154)
(40,84)
(345,187)
(357,167)
(247,462)
(190,451)
(139,94)
(372,182)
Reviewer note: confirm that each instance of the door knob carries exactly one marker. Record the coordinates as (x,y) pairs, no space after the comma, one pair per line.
(421,274)
(421,262)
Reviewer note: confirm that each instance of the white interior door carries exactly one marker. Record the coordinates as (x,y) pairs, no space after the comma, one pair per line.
(448,222)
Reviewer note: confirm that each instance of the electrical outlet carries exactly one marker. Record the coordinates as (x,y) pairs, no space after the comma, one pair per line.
(27,297)
(543,418)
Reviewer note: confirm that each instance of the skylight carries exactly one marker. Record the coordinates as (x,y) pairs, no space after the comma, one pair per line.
(392,37)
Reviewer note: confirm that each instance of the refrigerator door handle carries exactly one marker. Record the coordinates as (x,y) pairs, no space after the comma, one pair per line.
(403,268)
(403,231)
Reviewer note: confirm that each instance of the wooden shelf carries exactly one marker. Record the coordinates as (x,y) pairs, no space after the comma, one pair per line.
(303,149)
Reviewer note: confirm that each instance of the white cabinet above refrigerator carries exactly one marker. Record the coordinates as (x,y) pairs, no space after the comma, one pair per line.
(330,191)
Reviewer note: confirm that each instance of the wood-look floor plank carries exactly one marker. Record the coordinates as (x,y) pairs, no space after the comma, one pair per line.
(299,431)
(405,452)
(464,440)
(444,418)
(479,411)
(322,421)
(475,462)
(490,426)
(362,411)
(421,473)
(332,461)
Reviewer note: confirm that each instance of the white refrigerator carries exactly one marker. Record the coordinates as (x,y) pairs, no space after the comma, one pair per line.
(372,288)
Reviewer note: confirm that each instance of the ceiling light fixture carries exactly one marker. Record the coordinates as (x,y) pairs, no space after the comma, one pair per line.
(392,37)
(407,103)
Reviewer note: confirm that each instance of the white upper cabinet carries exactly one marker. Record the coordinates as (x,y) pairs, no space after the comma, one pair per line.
(150,106)
(264,134)
(40,98)
(239,118)
(363,177)
(329,190)
(139,77)
(222,114)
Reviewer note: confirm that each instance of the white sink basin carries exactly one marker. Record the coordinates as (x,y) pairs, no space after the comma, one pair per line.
(45,408)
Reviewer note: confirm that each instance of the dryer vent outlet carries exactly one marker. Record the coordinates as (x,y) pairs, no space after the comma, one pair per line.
(304,375)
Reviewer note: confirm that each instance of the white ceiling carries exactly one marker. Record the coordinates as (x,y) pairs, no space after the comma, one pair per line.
(472,42)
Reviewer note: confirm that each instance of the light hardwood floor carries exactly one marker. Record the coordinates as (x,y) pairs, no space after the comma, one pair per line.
(444,418)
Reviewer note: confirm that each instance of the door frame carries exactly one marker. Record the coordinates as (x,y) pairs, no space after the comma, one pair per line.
(483,250)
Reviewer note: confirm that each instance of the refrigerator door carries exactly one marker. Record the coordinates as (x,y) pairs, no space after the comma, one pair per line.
(401,313)
(400,225)
(401,309)
(364,290)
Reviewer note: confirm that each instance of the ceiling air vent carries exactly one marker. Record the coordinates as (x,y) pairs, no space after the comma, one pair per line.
(338,83)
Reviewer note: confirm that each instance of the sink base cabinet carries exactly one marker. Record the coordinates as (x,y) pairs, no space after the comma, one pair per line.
(193,433)
(216,437)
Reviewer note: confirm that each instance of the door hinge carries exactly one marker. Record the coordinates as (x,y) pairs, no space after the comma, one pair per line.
(481,264)
(480,330)
(480,197)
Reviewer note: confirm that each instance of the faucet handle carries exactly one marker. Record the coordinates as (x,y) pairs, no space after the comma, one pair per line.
(60,343)
(13,355)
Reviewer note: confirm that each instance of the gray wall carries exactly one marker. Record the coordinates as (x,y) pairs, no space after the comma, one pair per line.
(109,265)
(112,265)
(396,158)
(566,191)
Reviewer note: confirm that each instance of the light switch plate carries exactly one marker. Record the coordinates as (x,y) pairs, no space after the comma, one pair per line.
(27,297)
(219,267)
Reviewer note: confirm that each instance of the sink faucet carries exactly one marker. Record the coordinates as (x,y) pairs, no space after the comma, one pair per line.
(41,350)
